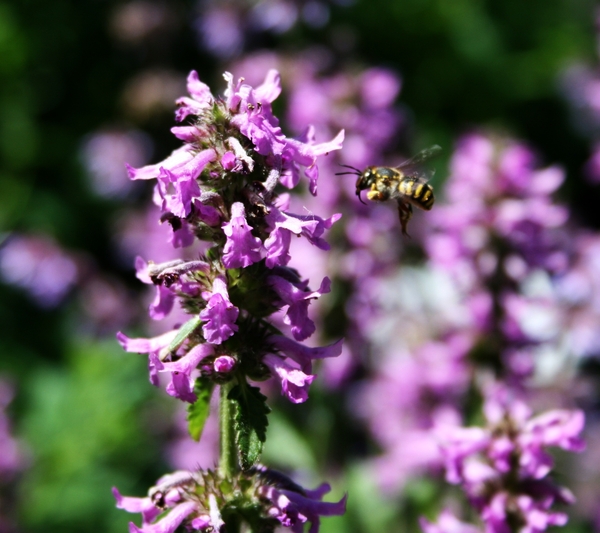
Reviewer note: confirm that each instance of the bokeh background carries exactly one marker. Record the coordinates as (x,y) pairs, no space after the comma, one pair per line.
(88,85)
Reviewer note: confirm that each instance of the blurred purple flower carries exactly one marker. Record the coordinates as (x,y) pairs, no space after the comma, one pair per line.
(503,467)
(12,456)
(447,523)
(406,399)
(183,453)
(38,265)
(220,30)
(104,154)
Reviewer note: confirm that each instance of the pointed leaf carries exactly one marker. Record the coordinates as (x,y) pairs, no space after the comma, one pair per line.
(250,422)
(198,412)
(184,332)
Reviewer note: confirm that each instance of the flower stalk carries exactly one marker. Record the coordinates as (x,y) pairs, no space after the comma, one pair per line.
(228,461)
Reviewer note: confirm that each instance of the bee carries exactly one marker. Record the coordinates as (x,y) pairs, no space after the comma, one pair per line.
(405,183)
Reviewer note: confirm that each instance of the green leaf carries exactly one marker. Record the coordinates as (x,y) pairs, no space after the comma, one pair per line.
(250,422)
(197,413)
(184,332)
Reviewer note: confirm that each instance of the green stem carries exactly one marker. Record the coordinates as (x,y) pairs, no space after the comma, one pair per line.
(228,462)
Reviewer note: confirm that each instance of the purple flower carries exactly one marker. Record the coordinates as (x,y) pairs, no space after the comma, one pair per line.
(178,159)
(297,297)
(182,372)
(304,355)
(204,193)
(155,347)
(219,314)
(166,293)
(188,134)
(242,248)
(137,505)
(143,345)
(254,117)
(224,364)
(295,376)
(178,501)
(183,182)
(459,444)
(294,382)
(169,493)
(304,152)
(201,98)
(169,523)
(294,509)
(284,225)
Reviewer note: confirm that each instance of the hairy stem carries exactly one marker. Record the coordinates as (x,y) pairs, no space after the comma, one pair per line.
(228,456)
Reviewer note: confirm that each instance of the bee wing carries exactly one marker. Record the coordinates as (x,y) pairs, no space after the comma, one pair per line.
(422,156)
(419,175)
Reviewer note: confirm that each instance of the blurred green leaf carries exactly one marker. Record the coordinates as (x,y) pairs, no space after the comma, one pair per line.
(286,446)
(85,429)
(13,46)
(15,194)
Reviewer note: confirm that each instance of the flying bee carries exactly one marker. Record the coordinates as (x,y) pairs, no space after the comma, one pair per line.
(405,183)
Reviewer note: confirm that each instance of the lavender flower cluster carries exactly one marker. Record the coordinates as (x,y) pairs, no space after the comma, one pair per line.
(503,467)
(501,245)
(220,188)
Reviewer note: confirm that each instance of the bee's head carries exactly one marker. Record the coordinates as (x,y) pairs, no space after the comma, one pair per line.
(365,180)
(361,184)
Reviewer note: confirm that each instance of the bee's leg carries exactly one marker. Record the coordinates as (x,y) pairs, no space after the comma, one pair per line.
(405,212)
(376,196)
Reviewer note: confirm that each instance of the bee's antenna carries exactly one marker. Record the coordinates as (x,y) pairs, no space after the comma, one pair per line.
(354,169)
